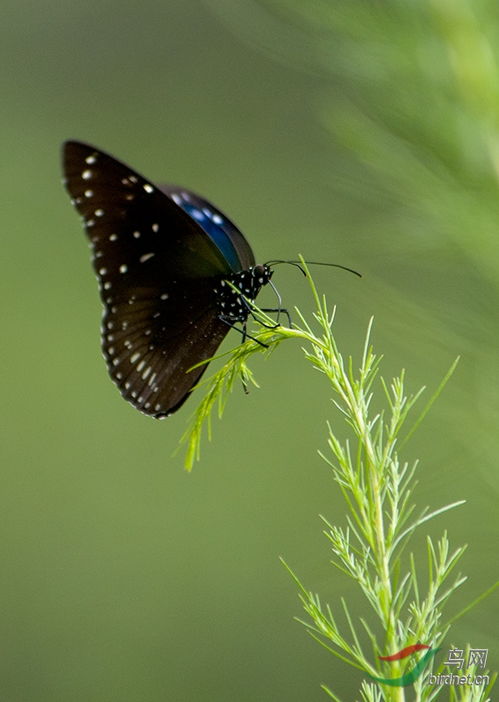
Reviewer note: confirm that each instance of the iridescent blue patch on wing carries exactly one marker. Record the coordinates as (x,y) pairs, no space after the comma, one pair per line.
(217,228)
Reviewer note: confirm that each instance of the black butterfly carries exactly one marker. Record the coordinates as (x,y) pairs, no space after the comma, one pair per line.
(162,256)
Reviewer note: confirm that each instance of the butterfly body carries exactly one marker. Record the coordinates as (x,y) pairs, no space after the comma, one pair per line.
(164,258)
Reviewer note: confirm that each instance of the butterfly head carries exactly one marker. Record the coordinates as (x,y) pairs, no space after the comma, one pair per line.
(261,273)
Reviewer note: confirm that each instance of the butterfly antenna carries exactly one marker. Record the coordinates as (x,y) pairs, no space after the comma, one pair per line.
(296,264)
(314,263)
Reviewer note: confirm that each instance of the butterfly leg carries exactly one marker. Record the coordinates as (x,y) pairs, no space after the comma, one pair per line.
(245,334)
(279,310)
(242,331)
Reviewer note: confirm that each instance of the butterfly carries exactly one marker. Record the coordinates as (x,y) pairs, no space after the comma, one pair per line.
(163,258)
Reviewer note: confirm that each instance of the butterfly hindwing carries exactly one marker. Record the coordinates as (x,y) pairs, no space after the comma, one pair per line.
(224,233)
(150,346)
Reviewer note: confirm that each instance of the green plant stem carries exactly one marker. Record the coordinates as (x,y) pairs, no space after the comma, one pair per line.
(355,401)
(377,489)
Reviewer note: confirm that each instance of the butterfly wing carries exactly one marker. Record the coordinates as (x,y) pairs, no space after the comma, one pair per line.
(126,216)
(150,345)
(157,268)
(225,235)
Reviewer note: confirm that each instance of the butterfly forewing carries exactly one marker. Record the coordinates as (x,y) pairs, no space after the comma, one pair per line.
(131,223)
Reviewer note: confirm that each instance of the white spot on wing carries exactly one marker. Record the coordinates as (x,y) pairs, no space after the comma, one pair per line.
(148,188)
(146,257)
(87,174)
(197,214)
(123,268)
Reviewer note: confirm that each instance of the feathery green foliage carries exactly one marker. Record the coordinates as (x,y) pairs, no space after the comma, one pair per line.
(377,486)
(409,98)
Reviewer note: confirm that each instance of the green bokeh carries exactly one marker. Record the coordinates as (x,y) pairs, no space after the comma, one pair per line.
(123,577)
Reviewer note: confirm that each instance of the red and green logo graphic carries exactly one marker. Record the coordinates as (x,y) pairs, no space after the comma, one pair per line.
(412,675)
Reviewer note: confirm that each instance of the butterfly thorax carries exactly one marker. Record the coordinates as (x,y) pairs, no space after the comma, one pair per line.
(232,305)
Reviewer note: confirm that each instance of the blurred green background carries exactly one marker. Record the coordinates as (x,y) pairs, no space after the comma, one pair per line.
(364,133)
